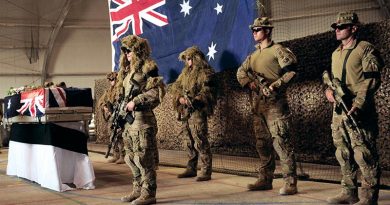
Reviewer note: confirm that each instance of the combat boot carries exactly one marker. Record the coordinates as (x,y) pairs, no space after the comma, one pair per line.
(144,199)
(368,197)
(260,184)
(346,196)
(121,160)
(187,173)
(289,187)
(112,160)
(133,196)
(203,177)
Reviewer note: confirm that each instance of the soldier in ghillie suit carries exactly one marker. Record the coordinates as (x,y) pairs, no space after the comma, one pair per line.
(194,102)
(357,65)
(146,89)
(267,72)
(119,94)
(107,102)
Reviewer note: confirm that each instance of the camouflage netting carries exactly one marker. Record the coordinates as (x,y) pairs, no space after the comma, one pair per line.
(230,127)
(102,135)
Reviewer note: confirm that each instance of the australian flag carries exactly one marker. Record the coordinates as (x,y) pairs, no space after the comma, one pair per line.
(218,27)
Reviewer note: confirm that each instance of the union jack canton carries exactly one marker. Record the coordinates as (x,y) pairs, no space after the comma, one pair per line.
(127,17)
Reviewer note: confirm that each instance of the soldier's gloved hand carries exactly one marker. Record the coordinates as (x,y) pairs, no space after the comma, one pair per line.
(275,84)
(130,106)
(267,91)
(329,95)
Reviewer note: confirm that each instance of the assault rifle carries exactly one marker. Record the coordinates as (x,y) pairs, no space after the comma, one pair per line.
(121,115)
(261,84)
(339,94)
(185,111)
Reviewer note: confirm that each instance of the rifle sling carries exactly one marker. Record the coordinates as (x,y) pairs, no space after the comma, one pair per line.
(344,71)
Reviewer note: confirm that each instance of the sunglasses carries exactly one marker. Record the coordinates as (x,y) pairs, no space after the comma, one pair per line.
(256,29)
(341,27)
(126,51)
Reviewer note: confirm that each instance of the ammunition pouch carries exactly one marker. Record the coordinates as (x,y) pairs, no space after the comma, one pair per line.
(338,109)
(129,118)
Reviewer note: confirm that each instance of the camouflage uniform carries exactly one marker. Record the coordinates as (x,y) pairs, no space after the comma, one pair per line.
(276,64)
(195,83)
(140,136)
(361,80)
(123,72)
(109,99)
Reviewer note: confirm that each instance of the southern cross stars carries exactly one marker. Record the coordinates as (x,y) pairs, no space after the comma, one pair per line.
(212,51)
(218,8)
(185,7)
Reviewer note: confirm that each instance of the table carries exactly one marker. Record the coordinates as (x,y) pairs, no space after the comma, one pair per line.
(52,155)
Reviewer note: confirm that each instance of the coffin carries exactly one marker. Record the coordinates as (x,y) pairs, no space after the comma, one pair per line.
(49,105)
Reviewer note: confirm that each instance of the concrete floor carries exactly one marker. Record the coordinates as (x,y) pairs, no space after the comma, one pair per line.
(114,181)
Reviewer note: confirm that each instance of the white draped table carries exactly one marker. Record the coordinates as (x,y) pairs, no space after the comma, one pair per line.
(51,166)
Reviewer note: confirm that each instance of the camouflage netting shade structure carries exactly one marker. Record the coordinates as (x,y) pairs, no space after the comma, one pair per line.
(230,128)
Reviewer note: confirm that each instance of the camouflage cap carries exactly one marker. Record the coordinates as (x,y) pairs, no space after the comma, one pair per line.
(261,22)
(347,17)
(111,76)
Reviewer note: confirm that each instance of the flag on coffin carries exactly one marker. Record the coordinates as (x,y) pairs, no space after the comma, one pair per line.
(33,103)
(218,27)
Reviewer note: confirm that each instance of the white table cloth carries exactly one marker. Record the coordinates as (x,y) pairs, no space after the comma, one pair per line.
(50,166)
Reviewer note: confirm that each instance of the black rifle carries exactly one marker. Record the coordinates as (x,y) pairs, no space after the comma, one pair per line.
(339,94)
(121,115)
(117,123)
(185,111)
(261,84)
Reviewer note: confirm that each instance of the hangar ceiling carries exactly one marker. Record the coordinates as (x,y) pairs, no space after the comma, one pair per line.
(29,30)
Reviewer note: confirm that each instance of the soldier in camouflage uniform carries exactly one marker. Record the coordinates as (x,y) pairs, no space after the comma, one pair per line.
(357,65)
(123,72)
(107,102)
(267,72)
(140,136)
(194,101)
